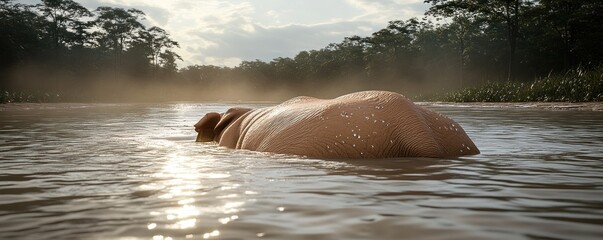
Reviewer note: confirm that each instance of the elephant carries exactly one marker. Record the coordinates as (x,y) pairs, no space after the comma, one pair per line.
(369,124)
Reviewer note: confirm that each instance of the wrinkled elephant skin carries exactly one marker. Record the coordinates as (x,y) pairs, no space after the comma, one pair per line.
(372,124)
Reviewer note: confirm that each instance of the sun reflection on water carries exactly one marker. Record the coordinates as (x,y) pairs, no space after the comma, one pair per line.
(178,181)
(196,208)
(214,233)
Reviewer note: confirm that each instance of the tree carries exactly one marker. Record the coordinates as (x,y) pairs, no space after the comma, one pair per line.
(495,11)
(352,55)
(462,18)
(119,26)
(158,43)
(63,21)
(119,29)
(391,50)
(168,62)
(577,25)
(284,69)
(21,38)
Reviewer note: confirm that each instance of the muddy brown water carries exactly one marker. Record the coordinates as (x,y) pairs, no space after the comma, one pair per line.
(133,171)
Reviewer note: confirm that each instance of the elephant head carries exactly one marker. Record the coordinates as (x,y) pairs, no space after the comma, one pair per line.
(211,126)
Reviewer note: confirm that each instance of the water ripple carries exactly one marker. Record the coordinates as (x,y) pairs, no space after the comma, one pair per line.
(134,171)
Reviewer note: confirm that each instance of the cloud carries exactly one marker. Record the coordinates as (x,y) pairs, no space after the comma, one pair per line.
(267,43)
(387,10)
(222,32)
(248,31)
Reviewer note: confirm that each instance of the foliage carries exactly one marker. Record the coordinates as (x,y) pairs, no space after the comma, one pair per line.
(576,85)
(494,12)
(507,43)
(62,18)
(67,45)
(38,97)
(463,43)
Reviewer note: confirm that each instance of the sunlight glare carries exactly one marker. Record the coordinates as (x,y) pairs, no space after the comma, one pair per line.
(214,233)
(184,224)
(152,226)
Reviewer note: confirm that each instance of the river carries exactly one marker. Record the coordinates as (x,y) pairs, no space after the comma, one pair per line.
(133,171)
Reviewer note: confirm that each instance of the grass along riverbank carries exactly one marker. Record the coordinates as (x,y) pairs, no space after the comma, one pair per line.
(24,97)
(575,85)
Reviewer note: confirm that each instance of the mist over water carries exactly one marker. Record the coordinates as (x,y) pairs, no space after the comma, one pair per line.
(115,171)
(108,89)
(234,85)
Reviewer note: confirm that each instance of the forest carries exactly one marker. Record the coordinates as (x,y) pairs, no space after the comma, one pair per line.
(58,50)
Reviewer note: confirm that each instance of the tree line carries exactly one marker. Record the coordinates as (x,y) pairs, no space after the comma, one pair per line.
(458,43)
(60,43)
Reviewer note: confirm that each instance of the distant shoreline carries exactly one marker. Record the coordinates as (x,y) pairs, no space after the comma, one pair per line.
(580,106)
(25,106)
(561,106)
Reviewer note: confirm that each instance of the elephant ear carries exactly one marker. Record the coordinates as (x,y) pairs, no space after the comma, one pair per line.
(229,117)
(205,127)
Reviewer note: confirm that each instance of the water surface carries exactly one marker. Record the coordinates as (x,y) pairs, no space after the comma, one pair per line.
(133,171)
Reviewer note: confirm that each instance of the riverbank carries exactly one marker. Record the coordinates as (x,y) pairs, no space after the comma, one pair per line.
(24,106)
(575,85)
(582,106)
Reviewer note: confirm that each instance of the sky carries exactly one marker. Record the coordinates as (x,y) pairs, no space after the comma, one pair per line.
(224,33)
